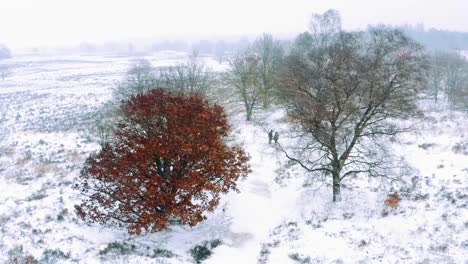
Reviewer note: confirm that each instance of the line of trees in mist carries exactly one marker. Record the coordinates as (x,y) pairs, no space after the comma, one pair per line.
(432,39)
(448,78)
(218,48)
(437,39)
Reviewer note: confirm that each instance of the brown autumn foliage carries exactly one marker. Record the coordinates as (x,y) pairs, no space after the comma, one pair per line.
(392,201)
(169,164)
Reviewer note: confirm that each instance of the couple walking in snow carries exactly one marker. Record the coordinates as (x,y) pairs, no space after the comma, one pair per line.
(273,136)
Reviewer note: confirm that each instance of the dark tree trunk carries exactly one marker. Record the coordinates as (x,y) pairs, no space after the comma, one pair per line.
(266,97)
(336,186)
(248,111)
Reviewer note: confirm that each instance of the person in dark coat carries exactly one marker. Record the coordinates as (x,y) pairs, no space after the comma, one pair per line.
(270,136)
(276,137)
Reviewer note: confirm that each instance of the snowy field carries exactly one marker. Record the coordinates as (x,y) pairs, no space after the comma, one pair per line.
(48,108)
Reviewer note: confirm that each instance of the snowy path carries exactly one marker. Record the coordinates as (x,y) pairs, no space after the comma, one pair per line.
(261,205)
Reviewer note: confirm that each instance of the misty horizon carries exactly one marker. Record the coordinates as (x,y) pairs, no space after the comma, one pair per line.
(53,23)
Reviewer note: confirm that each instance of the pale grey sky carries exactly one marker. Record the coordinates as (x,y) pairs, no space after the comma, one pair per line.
(59,22)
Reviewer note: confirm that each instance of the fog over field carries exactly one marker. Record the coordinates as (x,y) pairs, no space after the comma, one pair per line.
(26,23)
(262,132)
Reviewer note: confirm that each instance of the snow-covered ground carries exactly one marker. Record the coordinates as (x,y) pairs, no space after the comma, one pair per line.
(47,110)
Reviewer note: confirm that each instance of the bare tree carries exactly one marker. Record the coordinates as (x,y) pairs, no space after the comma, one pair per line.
(449,76)
(4,71)
(190,77)
(344,94)
(324,26)
(244,77)
(139,79)
(436,74)
(270,54)
(5,53)
(456,75)
(302,44)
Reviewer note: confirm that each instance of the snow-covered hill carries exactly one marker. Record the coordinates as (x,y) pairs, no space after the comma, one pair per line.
(281,215)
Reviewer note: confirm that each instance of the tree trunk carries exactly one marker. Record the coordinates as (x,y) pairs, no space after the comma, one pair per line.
(266,98)
(336,187)
(248,111)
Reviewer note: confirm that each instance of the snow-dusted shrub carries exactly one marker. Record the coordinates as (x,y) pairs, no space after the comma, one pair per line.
(464,244)
(162,253)
(37,196)
(298,258)
(62,214)
(41,169)
(54,256)
(266,249)
(393,201)
(461,147)
(204,251)
(26,156)
(439,247)
(421,197)
(18,256)
(293,231)
(426,146)
(118,248)
(447,194)
(264,254)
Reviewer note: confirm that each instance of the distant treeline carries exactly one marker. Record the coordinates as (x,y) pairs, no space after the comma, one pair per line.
(217,48)
(202,46)
(435,39)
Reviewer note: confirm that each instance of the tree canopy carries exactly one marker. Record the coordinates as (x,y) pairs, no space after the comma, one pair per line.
(344,91)
(168,164)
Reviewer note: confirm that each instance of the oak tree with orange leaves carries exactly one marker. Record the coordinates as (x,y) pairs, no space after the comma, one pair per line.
(169,164)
